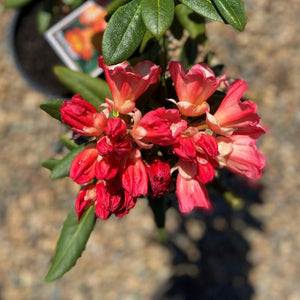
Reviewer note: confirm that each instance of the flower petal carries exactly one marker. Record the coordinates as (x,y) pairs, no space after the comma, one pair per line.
(191,193)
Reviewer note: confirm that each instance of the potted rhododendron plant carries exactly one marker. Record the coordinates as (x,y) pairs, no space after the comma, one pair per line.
(157,125)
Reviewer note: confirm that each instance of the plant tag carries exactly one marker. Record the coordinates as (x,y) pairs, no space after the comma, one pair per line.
(77,38)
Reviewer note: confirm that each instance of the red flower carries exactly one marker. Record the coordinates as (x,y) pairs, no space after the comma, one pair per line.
(107,201)
(160,127)
(119,161)
(197,156)
(113,149)
(193,88)
(85,199)
(82,169)
(134,174)
(111,200)
(233,113)
(160,181)
(119,169)
(127,83)
(82,117)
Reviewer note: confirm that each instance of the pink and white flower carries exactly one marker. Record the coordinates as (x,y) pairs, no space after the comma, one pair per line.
(127,84)
(191,193)
(239,154)
(193,88)
(196,166)
(233,113)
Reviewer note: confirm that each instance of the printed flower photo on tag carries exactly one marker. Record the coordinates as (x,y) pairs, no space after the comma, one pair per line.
(77,38)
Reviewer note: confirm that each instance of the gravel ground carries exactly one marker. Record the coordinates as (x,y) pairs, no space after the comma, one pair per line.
(251,253)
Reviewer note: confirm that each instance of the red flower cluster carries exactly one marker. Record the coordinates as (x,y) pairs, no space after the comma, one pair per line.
(112,169)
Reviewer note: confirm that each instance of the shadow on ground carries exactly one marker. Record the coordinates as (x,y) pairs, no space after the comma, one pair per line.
(213,263)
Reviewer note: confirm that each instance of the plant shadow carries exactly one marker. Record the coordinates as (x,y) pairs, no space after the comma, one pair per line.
(210,251)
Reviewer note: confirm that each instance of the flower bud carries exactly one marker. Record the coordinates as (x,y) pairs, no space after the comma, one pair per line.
(82,169)
(82,117)
(85,199)
(160,181)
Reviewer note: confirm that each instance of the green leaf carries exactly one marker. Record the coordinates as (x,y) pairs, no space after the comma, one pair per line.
(233,12)
(113,6)
(50,163)
(123,34)
(71,243)
(44,17)
(69,144)
(157,15)
(93,90)
(192,22)
(73,3)
(43,20)
(62,169)
(15,3)
(204,8)
(52,107)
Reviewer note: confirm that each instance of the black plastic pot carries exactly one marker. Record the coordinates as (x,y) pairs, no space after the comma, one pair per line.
(33,56)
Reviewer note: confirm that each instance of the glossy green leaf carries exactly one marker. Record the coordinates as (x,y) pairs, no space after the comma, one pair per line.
(233,12)
(62,169)
(192,22)
(204,8)
(124,33)
(16,3)
(113,6)
(52,107)
(50,163)
(71,243)
(93,90)
(157,15)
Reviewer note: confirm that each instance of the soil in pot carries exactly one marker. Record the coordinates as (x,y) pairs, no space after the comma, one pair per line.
(33,55)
